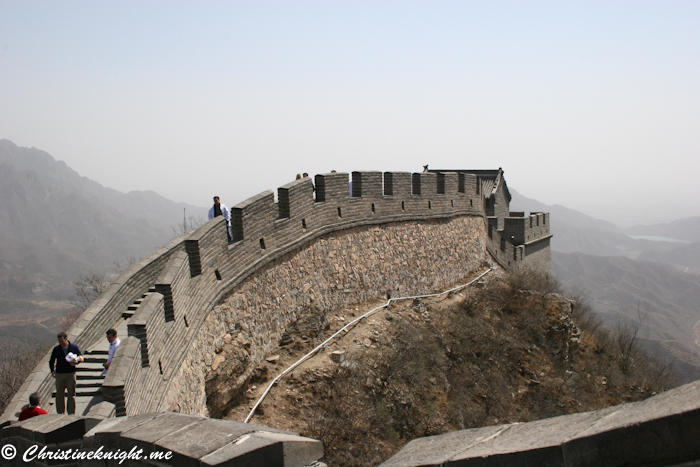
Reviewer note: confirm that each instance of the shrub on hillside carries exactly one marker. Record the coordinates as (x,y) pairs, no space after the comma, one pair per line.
(514,351)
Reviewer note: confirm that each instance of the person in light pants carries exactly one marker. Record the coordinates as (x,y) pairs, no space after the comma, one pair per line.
(64,357)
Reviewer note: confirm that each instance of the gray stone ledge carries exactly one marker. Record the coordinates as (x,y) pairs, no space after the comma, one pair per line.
(661,430)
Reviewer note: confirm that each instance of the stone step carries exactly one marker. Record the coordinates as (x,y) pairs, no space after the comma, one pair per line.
(134,306)
(89,359)
(89,366)
(82,393)
(97,384)
(84,376)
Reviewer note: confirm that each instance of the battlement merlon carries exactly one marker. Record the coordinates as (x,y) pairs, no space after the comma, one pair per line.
(192,272)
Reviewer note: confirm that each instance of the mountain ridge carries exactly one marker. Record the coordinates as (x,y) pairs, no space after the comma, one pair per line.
(56,225)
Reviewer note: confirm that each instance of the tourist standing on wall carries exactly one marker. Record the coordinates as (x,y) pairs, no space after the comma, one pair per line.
(62,365)
(114,342)
(220,209)
(33,410)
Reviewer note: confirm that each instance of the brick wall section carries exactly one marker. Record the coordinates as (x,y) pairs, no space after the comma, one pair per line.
(162,334)
(295,198)
(524,241)
(168,281)
(538,256)
(524,229)
(367,184)
(400,183)
(501,208)
(173,284)
(212,268)
(146,325)
(335,270)
(255,214)
(205,246)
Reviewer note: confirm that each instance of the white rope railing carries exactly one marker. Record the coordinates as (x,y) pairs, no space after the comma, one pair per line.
(323,344)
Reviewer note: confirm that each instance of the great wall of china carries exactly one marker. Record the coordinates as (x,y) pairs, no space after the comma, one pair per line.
(321,246)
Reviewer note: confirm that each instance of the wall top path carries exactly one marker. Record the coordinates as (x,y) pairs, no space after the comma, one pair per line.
(262,231)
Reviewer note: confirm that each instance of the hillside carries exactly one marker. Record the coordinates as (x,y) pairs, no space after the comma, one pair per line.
(56,225)
(622,290)
(511,351)
(620,275)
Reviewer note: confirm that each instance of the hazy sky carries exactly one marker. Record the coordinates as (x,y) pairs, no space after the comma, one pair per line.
(592,105)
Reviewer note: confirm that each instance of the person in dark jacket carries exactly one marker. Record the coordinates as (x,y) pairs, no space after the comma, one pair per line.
(64,358)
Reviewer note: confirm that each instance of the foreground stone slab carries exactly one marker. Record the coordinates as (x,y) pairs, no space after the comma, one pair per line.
(178,440)
(50,429)
(663,430)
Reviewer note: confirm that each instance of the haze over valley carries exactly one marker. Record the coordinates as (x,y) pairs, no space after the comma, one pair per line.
(57,225)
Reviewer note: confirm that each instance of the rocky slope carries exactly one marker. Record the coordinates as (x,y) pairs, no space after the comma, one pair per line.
(511,351)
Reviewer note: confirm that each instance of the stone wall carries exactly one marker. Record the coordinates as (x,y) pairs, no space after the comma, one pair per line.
(537,255)
(660,431)
(191,275)
(157,439)
(335,270)
(522,242)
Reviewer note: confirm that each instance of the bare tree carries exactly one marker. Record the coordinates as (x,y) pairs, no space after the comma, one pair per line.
(86,290)
(188,224)
(16,362)
(627,342)
(128,262)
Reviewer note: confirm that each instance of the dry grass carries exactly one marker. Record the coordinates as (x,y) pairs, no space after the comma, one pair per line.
(514,351)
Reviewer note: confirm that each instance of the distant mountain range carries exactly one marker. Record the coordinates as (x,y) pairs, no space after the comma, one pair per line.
(687,229)
(624,291)
(577,232)
(56,225)
(626,278)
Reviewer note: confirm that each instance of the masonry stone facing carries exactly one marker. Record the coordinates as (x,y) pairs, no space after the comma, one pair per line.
(200,311)
(335,270)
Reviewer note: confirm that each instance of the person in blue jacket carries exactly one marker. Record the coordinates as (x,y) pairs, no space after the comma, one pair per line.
(64,358)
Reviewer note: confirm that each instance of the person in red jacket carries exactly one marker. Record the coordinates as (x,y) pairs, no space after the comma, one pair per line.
(33,410)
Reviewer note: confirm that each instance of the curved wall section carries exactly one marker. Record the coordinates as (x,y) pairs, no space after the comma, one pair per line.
(432,221)
(335,270)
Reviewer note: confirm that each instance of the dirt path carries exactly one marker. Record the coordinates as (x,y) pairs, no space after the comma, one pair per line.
(276,410)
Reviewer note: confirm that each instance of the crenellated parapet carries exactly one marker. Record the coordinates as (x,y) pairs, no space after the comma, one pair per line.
(515,240)
(523,242)
(164,300)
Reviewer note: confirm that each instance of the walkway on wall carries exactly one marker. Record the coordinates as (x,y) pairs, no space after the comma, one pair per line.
(89,378)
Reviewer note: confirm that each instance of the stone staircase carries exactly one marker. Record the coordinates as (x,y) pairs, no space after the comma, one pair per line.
(134,306)
(88,375)
(89,379)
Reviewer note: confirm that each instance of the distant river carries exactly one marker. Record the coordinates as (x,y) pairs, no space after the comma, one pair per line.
(657,239)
